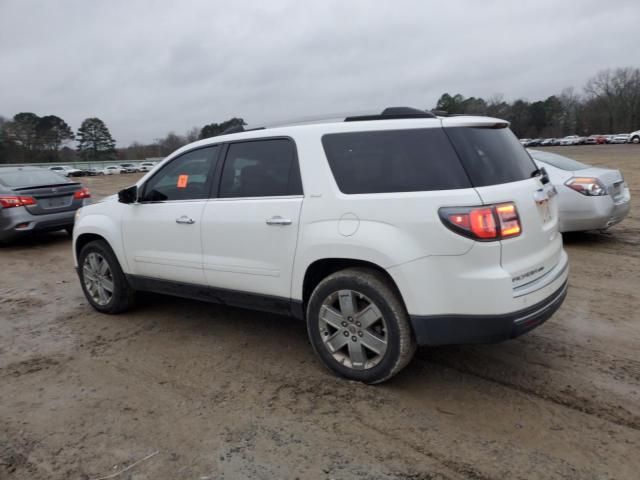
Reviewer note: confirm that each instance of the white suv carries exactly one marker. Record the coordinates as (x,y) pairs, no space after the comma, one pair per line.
(382,232)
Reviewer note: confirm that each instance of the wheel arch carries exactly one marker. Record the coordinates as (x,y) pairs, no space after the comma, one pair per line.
(85,238)
(322,268)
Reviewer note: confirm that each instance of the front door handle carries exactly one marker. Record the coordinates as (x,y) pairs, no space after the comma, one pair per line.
(278,220)
(186,220)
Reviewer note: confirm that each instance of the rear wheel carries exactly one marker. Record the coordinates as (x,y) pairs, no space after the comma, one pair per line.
(635,140)
(103,282)
(359,327)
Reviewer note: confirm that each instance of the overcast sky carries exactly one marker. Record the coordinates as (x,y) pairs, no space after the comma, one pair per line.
(147,68)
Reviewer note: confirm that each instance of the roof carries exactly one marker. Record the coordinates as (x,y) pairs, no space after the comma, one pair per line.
(392,117)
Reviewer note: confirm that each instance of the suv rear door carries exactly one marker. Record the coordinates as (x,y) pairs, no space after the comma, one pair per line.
(501,171)
(249,233)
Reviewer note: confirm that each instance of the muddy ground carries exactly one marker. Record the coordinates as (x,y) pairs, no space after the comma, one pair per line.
(199,391)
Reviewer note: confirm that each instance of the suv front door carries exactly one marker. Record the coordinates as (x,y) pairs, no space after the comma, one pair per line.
(161,232)
(249,233)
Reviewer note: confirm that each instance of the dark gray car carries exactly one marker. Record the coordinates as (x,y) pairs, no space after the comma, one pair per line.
(35,199)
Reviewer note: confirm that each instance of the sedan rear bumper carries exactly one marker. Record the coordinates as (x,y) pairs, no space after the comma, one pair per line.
(17,221)
(469,329)
(594,213)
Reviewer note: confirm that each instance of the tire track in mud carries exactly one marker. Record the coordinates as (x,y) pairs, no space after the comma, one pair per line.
(568,398)
(310,398)
(620,368)
(463,469)
(33,365)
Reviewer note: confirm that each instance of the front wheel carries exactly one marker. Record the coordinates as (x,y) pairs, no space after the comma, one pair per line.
(103,282)
(358,326)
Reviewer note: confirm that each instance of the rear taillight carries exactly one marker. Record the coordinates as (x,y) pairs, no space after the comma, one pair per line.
(591,187)
(82,193)
(9,201)
(486,223)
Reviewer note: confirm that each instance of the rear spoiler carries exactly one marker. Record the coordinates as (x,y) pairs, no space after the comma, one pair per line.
(53,185)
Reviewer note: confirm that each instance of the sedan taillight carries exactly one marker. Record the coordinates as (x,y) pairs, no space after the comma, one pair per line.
(486,223)
(9,201)
(82,193)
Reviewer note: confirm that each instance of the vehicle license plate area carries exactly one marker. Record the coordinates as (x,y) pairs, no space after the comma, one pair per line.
(56,202)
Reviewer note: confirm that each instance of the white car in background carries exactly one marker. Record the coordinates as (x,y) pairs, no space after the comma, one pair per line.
(621,138)
(67,171)
(570,140)
(146,166)
(112,170)
(589,198)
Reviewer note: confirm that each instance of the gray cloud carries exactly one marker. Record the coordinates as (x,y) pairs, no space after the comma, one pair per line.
(148,67)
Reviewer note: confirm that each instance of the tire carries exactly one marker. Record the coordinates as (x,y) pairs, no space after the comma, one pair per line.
(367,288)
(90,260)
(635,140)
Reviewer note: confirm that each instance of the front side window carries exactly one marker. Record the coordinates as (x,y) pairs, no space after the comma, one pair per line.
(261,168)
(185,178)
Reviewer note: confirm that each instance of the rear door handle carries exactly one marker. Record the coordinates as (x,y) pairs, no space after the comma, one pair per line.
(185,220)
(278,220)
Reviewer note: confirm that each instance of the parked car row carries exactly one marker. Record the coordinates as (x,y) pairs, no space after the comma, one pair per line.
(68,171)
(633,137)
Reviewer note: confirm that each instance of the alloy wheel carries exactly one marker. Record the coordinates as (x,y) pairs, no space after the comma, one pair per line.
(98,278)
(353,329)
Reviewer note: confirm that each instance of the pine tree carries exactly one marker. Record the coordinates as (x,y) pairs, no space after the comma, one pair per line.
(95,141)
(52,132)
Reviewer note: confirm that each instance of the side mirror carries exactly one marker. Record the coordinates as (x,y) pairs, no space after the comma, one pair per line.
(128,195)
(544,176)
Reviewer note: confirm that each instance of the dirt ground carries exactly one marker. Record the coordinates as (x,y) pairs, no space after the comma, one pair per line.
(199,391)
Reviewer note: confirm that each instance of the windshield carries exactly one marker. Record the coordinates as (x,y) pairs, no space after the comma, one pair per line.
(30,178)
(558,161)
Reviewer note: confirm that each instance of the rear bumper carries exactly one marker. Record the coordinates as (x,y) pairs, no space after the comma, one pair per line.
(594,213)
(467,329)
(11,220)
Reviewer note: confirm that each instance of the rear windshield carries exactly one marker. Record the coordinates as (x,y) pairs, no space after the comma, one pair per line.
(558,161)
(30,178)
(491,156)
(394,161)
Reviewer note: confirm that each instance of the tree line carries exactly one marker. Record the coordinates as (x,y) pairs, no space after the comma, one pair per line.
(608,103)
(172,141)
(28,138)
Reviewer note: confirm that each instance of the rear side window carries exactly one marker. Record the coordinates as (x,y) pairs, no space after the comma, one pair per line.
(491,156)
(558,161)
(261,168)
(394,161)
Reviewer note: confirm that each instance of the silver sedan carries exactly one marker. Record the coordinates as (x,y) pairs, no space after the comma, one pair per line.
(589,198)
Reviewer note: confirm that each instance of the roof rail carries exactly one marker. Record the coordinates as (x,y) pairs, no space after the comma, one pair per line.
(390,113)
(232,129)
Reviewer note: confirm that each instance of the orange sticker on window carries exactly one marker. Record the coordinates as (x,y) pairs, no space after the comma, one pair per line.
(182,181)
